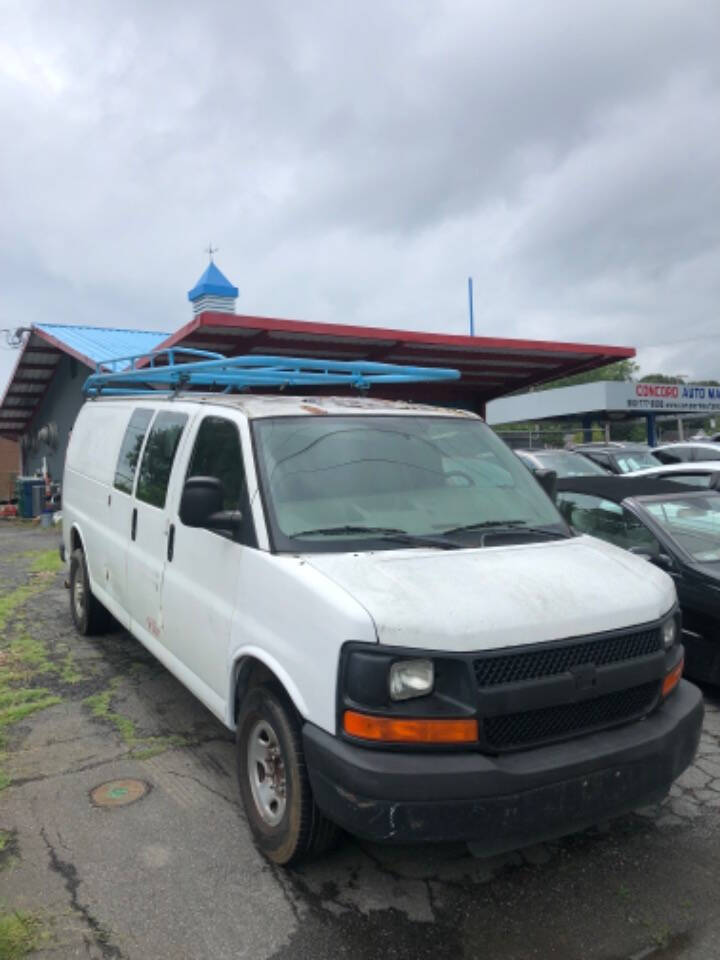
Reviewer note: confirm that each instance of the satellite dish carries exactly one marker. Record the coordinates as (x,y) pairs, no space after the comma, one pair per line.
(49,435)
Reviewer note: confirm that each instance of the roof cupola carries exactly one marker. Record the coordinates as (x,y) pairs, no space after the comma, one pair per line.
(213,291)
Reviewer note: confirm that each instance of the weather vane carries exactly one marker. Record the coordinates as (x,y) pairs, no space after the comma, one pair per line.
(210,250)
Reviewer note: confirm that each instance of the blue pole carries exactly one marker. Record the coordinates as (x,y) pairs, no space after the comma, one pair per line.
(651,434)
(470,305)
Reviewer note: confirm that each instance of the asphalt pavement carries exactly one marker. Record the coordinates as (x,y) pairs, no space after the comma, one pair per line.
(121,833)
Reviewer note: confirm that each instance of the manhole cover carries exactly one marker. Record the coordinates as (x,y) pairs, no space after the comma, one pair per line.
(118,793)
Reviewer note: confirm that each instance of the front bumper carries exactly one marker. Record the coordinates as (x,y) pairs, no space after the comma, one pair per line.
(504,802)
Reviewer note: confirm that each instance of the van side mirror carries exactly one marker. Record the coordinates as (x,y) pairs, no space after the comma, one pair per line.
(662,560)
(201,506)
(548,481)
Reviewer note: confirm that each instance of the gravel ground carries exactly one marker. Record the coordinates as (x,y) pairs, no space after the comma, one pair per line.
(175,875)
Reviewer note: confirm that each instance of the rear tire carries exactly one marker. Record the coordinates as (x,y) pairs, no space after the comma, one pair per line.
(88,614)
(286,824)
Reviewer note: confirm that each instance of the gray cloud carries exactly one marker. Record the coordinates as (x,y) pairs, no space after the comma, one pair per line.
(356,162)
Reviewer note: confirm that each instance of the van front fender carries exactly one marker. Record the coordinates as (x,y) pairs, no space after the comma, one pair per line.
(245,659)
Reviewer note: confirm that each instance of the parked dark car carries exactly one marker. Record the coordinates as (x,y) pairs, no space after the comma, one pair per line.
(619,457)
(678,529)
(565,463)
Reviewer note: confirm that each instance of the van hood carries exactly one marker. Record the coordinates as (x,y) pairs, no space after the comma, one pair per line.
(494,597)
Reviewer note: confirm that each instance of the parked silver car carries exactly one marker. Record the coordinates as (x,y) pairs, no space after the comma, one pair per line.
(565,463)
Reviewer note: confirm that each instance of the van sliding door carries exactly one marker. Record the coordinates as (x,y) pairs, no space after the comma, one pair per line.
(119,511)
(149,525)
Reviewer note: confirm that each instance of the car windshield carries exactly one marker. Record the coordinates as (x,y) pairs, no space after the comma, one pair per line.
(687,479)
(330,480)
(636,460)
(565,463)
(594,515)
(693,522)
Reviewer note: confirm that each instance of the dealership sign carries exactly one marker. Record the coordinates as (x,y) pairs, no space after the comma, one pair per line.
(668,397)
(607,399)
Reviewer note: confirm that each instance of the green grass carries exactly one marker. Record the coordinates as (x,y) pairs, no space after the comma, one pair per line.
(6,848)
(16,703)
(24,658)
(46,561)
(141,748)
(13,601)
(100,707)
(27,653)
(156,745)
(19,934)
(69,672)
(42,562)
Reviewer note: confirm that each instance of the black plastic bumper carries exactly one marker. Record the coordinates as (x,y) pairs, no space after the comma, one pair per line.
(509,801)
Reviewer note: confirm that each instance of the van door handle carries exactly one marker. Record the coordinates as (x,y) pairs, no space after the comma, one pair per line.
(171,542)
(133,524)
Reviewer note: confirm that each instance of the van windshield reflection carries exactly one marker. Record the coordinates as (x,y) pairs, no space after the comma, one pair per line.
(374,482)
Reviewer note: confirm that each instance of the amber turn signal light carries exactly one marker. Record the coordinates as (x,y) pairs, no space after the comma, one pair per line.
(672,679)
(409,730)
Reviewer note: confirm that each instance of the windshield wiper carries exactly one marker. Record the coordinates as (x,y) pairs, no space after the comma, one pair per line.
(385,533)
(504,526)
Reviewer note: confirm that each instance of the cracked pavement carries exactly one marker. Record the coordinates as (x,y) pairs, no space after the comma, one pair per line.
(175,875)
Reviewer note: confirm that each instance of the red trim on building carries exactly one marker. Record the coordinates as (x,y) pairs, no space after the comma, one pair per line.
(63,347)
(490,366)
(342,332)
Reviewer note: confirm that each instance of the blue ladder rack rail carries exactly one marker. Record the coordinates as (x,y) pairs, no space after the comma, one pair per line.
(163,372)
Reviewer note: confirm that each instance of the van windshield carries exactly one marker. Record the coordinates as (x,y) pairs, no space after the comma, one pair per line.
(369,482)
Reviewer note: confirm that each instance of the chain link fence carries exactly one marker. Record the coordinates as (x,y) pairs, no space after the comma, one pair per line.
(532,439)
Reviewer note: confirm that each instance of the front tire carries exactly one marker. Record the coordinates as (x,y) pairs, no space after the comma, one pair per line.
(88,614)
(286,824)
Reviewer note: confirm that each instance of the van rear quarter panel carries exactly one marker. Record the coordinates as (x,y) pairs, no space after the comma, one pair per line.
(88,491)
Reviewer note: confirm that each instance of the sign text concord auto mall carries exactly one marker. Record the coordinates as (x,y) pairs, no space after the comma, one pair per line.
(669,397)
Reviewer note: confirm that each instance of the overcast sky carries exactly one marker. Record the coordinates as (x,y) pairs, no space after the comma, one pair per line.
(355,162)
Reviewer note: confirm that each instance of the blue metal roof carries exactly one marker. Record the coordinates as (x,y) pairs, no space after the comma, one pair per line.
(213,282)
(99,344)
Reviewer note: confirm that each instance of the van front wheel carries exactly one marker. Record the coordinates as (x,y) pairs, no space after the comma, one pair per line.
(285,822)
(88,614)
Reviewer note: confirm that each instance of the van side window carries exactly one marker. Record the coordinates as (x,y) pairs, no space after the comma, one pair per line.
(158,457)
(217,453)
(130,450)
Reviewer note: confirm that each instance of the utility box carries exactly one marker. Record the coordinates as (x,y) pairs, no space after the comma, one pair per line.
(30,493)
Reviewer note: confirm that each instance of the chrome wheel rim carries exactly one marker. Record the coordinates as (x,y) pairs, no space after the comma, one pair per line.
(79,596)
(266,772)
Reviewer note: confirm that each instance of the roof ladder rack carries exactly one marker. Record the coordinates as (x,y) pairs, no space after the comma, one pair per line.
(176,369)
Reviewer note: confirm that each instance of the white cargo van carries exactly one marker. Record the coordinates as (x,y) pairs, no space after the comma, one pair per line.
(386,607)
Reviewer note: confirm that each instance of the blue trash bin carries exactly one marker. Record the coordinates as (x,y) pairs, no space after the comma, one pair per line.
(31,496)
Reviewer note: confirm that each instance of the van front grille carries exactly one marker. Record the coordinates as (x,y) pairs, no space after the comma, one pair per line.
(548,660)
(534,727)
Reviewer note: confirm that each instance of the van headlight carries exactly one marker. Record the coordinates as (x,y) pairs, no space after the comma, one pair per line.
(411,678)
(669,632)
